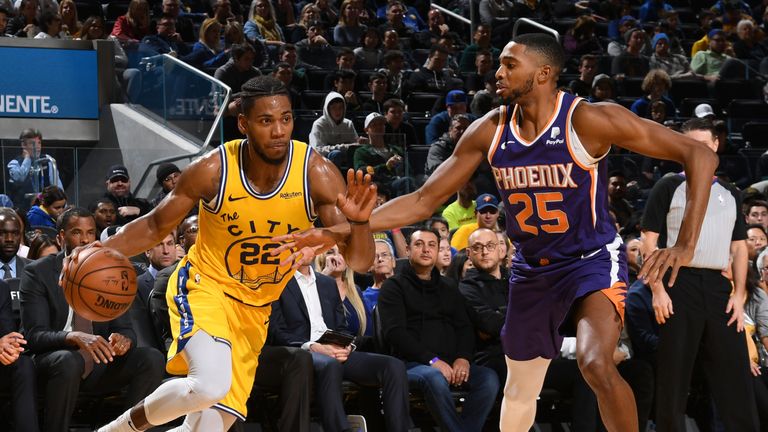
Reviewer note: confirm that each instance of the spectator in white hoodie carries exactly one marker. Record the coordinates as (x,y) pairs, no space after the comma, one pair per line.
(332,134)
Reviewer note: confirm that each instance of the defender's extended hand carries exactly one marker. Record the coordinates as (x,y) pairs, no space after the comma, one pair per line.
(357,205)
(661,260)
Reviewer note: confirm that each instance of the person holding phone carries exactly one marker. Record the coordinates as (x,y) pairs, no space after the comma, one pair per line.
(309,307)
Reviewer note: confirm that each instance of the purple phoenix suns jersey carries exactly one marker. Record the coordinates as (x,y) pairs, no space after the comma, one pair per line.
(554,192)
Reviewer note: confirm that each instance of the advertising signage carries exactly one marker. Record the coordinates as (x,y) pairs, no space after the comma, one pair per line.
(48,83)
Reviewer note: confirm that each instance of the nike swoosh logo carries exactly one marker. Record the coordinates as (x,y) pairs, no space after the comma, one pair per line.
(230,198)
(591,254)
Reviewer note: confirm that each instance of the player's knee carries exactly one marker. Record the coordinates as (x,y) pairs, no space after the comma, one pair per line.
(597,370)
(208,392)
(518,392)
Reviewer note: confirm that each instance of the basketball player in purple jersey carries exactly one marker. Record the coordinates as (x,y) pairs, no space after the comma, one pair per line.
(569,275)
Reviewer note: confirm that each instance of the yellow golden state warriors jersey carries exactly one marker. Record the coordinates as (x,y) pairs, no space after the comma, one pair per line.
(235,228)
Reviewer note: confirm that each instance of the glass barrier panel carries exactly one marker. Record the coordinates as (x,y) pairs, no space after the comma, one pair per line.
(184,99)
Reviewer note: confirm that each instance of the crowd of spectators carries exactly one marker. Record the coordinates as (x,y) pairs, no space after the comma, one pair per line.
(371,81)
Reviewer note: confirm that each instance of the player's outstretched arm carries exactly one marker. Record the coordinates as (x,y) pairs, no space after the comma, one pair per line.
(601,125)
(339,204)
(200,180)
(416,206)
(449,177)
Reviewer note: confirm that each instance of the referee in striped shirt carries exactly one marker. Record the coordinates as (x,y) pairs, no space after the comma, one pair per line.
(698,314)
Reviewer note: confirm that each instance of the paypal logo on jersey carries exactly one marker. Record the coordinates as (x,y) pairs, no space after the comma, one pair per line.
(553,137)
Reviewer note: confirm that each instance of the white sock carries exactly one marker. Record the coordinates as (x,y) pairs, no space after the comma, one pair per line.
(121,424)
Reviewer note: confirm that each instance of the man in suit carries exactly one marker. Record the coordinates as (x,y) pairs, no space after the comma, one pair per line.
(72,353)
(162,256)
(11,264)
(310,305)
(17,371)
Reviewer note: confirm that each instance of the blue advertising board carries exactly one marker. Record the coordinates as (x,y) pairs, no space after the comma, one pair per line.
(48,83)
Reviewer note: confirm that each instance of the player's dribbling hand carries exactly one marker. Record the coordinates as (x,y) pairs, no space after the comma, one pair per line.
(655,266)
(736,309)
(662,303)
(96,346)
(119,343)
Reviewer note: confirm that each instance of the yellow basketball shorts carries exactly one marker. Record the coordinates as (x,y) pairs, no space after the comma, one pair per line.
(195,303)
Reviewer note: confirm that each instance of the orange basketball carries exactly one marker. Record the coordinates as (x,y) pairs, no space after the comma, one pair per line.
(101,286)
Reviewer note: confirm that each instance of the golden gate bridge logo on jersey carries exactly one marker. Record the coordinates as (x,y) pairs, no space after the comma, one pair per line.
(249,262)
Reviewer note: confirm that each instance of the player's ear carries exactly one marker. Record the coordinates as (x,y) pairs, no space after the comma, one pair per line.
(545,72)
(241,123)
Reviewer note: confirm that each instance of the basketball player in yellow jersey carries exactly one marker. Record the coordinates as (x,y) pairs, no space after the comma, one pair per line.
(219,297)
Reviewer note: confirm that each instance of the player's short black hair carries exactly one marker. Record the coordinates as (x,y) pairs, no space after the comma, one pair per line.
(62,223)
(258,87)
(4,11)
(545,46)
(699,124)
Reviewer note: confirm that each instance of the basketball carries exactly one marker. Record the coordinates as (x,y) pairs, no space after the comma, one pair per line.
(101,285)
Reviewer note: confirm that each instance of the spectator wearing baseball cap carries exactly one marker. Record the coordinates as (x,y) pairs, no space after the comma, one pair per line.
(487,214)
(167,176)
(675,65)
(118,184)
(616,31)
(603,89)
(631,63)
(383,162)
(710,61)
(455,103)
(704,111)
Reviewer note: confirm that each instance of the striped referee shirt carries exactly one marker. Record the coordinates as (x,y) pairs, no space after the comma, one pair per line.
(723,222)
